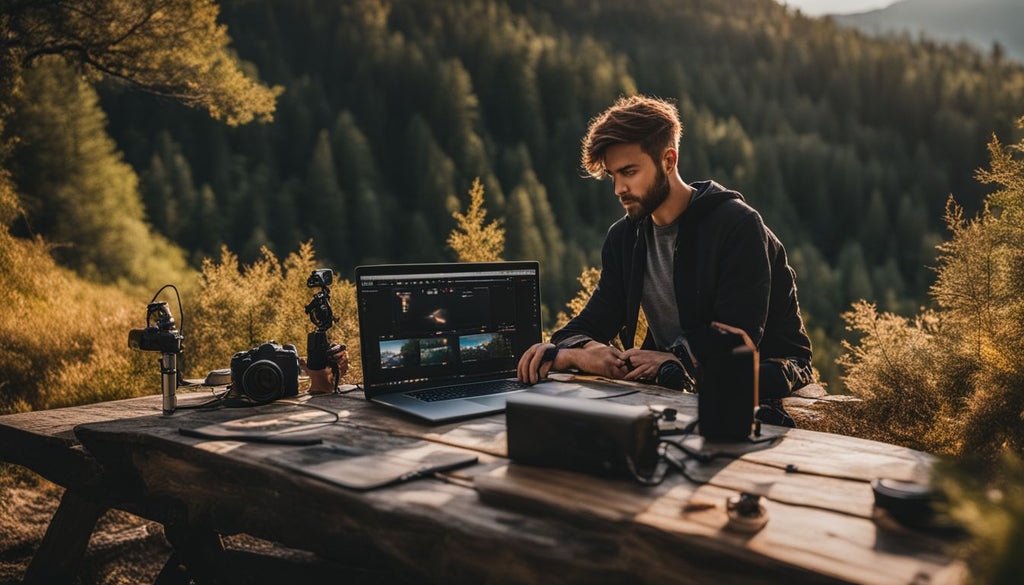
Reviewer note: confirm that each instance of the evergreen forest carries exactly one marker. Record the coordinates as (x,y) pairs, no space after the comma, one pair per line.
(387,111)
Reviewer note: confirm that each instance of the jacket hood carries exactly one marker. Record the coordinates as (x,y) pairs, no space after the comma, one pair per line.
(707,196)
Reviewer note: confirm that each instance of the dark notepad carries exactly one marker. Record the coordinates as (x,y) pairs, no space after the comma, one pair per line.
(362,470)
(291,427)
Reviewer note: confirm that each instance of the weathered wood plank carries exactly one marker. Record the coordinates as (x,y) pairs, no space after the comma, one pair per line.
(842,547)
(812,491)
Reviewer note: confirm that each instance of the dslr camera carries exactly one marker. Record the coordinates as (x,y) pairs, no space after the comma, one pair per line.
(265,373)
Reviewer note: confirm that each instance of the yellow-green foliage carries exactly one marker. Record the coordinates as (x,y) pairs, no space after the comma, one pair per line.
(63,340)
(471,240)
(173,48)
(950,381)
(235,308)
(991,507)
(894,370)
(588,282)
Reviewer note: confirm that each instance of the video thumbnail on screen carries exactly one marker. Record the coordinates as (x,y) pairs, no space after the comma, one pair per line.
(399,353)
(484,346)
(434,351)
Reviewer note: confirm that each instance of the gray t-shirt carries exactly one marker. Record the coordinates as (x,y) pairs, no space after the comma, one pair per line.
(659,296)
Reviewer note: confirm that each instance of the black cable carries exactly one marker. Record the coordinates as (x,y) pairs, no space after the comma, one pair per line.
(208,405)
(338,390)
(181,312)
(646,481)
(221,402)
(680,466)
(690,426)
(315,407)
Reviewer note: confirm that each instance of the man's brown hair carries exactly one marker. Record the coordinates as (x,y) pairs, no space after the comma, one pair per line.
(651,122)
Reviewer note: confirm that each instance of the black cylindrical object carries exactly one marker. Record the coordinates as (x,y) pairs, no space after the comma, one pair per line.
(727,394)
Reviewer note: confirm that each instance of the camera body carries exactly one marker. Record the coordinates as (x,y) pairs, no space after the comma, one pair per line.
(155,339)
(266,373)
(163,337)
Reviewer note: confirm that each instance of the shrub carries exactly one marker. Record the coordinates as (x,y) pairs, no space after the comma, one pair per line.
(236,308)
(949,381)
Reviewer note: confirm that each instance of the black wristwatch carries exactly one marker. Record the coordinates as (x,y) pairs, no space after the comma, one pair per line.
(549,355)
(673,375)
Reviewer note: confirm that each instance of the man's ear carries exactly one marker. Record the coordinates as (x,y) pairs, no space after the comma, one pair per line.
(670,159)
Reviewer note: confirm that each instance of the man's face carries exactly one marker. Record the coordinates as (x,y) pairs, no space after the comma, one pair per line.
(640,184)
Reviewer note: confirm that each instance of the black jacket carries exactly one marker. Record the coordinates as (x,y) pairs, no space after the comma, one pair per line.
(729,267)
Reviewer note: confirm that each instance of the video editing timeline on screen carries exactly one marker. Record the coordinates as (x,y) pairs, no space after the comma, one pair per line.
(449,326)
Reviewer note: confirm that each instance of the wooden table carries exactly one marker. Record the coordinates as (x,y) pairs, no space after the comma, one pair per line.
(494,522)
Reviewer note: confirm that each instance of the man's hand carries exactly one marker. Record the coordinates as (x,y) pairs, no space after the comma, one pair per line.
(320,380)
(530,369)
(593,358)
(645,363)
(600,359)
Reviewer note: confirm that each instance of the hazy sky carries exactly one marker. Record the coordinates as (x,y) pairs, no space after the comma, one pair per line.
(816,7)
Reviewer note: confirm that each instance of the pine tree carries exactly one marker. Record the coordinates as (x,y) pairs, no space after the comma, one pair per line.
(525,241)
(85,195)
(158,196)
(471,240)
(324,205)
(432,175)
(358,174)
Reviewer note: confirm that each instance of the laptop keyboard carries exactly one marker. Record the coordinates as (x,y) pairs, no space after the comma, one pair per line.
(468,390)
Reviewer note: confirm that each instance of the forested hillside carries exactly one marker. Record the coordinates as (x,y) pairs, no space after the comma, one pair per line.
(848,145)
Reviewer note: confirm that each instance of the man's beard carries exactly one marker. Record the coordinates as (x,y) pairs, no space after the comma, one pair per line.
(652,199)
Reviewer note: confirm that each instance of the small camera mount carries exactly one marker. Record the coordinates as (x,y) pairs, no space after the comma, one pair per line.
(165,338)
(319,311)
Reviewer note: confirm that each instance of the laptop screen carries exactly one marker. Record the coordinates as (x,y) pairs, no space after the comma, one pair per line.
(437,324)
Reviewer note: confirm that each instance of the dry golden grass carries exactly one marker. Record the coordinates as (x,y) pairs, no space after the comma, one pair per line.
(63,340)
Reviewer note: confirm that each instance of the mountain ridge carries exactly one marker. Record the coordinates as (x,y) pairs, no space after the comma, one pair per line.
(981,23)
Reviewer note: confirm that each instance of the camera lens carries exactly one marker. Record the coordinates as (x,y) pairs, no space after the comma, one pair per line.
(263,381)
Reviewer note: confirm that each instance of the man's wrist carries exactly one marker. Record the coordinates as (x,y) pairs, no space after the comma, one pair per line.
(565,359)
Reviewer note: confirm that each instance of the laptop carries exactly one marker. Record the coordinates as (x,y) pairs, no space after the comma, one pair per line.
(441,341)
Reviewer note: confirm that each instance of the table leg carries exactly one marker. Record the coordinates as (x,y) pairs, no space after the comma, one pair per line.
(200,550)
(173,573)
(67,536)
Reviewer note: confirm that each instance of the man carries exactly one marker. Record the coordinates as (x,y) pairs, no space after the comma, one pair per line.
(690,255)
